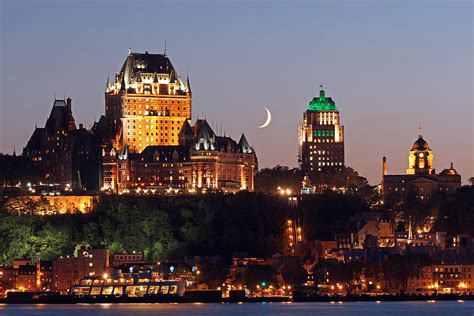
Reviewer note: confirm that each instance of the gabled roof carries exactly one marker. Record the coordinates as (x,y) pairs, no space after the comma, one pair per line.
(38,139)
(60,117)
(187,130)
(124,153)
(204,138)
(244,145)
(137,63)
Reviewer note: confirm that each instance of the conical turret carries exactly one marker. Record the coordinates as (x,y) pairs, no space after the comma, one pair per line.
(244,145)
(188,84)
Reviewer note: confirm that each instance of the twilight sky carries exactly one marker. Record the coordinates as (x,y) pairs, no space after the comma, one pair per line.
(388,65)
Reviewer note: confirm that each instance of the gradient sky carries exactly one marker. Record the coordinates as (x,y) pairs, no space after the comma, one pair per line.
(387,64)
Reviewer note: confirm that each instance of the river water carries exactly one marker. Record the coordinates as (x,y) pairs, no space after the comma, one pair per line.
(341,308)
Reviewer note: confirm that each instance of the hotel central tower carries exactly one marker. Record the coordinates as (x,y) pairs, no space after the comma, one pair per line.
(147,104)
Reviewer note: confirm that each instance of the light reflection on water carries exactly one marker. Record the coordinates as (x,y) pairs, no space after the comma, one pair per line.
(340,308)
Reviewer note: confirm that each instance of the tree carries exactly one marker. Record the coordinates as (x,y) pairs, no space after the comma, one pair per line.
(456,212)
(268,180)
(398,269)
(328,213)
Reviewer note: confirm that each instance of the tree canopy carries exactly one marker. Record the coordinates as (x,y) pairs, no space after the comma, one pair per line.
(160,227)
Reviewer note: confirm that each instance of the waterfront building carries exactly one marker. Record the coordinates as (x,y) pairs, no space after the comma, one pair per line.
(321,136)
(28,277)
(70,270)
(420,180)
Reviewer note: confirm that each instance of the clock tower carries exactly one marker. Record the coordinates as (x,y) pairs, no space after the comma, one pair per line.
(420,160)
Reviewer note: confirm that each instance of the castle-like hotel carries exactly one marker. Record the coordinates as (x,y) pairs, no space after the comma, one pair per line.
(146,141)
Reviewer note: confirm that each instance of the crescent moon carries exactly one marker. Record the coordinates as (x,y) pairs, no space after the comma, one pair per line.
(269,119)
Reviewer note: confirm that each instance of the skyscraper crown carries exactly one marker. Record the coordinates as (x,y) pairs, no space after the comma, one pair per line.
(322,103)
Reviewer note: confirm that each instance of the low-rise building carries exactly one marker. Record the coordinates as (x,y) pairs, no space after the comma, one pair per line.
(70,270)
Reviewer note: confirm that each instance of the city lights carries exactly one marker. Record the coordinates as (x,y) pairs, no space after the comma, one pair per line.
(154,202)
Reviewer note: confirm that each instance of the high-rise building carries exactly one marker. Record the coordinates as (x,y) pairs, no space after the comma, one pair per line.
(321,136)
(148,103)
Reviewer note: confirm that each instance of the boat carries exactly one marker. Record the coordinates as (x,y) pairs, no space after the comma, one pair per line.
(127,288)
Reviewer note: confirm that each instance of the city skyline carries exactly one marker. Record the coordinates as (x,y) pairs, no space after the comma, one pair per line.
(404,89)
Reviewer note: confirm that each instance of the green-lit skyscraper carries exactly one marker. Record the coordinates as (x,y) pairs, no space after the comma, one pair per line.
(321,136)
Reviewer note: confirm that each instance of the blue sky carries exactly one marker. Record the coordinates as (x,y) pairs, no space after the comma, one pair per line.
(389,65)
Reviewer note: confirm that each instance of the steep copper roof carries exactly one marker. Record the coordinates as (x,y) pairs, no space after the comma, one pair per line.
(137,64)
(60,117)
(162,153)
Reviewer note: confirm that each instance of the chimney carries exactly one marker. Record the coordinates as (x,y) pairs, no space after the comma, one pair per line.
(69,105)
(384,166)
(81,126)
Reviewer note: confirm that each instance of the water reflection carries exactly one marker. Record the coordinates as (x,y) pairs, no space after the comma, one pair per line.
(333,308)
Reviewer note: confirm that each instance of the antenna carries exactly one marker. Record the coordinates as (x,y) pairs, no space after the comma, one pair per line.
(165,53)
(419,128)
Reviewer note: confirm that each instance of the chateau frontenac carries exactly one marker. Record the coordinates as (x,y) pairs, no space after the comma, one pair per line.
(145,143)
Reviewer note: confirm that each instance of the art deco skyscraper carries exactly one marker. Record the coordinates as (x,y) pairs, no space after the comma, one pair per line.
(321,136)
